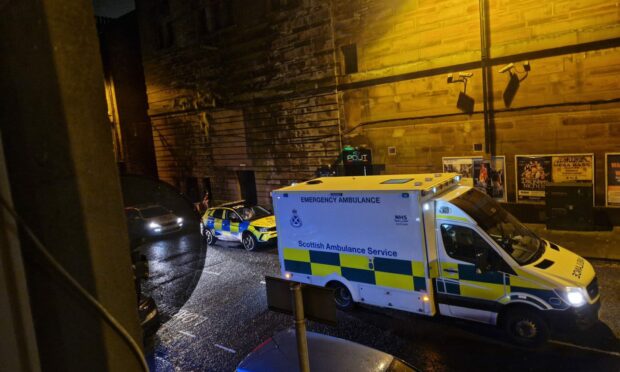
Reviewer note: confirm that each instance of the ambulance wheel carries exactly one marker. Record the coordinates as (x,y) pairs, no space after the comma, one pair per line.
(249,242)
(342,296)
(526,327)
(209,236)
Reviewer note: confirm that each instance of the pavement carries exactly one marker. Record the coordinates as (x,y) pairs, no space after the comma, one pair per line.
(603,245)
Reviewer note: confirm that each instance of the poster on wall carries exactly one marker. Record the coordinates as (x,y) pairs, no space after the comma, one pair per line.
(534,171)
(612,179)
(463,166)
(498,178)
(489,177)
(572,168)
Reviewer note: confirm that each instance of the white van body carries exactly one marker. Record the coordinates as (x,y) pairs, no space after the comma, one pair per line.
(424,244)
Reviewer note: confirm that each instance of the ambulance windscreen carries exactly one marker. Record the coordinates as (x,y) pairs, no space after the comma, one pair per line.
(510,234)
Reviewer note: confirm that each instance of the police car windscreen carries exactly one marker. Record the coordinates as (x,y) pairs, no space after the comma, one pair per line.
(510,234)
(252,213)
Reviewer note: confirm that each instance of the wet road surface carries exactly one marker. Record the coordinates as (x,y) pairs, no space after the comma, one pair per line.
(214,311)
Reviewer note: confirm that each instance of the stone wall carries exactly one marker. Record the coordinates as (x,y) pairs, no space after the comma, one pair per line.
(256,95)
(568,103)
(269,92)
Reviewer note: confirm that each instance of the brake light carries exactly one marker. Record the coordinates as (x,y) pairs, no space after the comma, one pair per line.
(262,344)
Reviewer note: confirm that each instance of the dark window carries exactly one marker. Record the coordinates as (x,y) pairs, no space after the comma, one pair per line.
(350,58)
(217,15)
(463,243)
(218,213)
(277,5)
(166,35)
(163,7)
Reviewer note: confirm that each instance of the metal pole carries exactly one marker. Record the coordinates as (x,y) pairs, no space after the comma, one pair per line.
(487,81)
(300,329)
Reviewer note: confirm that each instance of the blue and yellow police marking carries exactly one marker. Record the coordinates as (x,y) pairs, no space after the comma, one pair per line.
(386,272)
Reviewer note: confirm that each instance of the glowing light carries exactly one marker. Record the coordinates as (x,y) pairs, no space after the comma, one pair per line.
(288,275)
(425,298)
(426,206)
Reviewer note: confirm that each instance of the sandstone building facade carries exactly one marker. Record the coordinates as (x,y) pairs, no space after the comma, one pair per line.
(247,96)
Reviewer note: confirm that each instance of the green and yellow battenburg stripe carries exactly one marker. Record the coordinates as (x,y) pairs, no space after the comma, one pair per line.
(386,272)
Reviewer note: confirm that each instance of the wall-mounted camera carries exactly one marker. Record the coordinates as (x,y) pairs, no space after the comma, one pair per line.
(514,80)
(464,103)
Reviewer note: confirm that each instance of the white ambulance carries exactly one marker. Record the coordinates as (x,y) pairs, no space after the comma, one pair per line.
(424,244)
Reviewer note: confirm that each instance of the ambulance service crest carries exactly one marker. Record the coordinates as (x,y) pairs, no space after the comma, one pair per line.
(295,220)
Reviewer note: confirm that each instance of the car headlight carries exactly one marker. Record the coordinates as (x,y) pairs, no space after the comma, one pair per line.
(575,296)
(179,220)
(154,225)
(263,229)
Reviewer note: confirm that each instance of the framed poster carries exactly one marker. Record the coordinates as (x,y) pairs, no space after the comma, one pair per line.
(612,179)
(489,177)
(532,172)
(463,166)
(498,178)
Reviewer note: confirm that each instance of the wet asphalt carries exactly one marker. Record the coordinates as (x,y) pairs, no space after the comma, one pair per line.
(214,312)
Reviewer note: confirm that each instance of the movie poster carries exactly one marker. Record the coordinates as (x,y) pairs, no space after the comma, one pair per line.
(463,166)
(498,178)
(612,163)
(482,175)
(489,177)
(532,173)
(572,168)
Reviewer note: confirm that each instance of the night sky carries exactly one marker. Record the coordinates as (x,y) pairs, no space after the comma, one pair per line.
(113,8)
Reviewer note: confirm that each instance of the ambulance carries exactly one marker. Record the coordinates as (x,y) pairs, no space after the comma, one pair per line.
(425,244)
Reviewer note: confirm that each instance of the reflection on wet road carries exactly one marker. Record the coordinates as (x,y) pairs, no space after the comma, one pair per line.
(215,312)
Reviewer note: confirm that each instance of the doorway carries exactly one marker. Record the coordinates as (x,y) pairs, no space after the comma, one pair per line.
(247,186)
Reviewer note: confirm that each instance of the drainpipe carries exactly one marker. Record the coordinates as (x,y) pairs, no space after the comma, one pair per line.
(487,81)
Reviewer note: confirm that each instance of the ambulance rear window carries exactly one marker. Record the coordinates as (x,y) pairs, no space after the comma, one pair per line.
(396,181)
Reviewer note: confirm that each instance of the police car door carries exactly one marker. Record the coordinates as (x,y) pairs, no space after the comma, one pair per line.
(225,232)
(462,290)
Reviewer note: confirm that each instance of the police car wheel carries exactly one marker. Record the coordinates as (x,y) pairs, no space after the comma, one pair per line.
(209,236)
(249,242)
(526,327)
(342,296)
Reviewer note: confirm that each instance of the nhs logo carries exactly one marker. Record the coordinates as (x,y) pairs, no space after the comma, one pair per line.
(401,219)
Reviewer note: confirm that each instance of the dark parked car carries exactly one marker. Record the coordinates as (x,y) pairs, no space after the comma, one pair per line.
(151,220)
(279,354)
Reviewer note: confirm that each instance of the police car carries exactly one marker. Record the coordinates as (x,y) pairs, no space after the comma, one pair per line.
(250,225)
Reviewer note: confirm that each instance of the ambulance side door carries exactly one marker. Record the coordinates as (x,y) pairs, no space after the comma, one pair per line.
(462,290)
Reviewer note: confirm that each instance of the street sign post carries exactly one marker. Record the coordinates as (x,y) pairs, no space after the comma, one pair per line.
(301,300)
